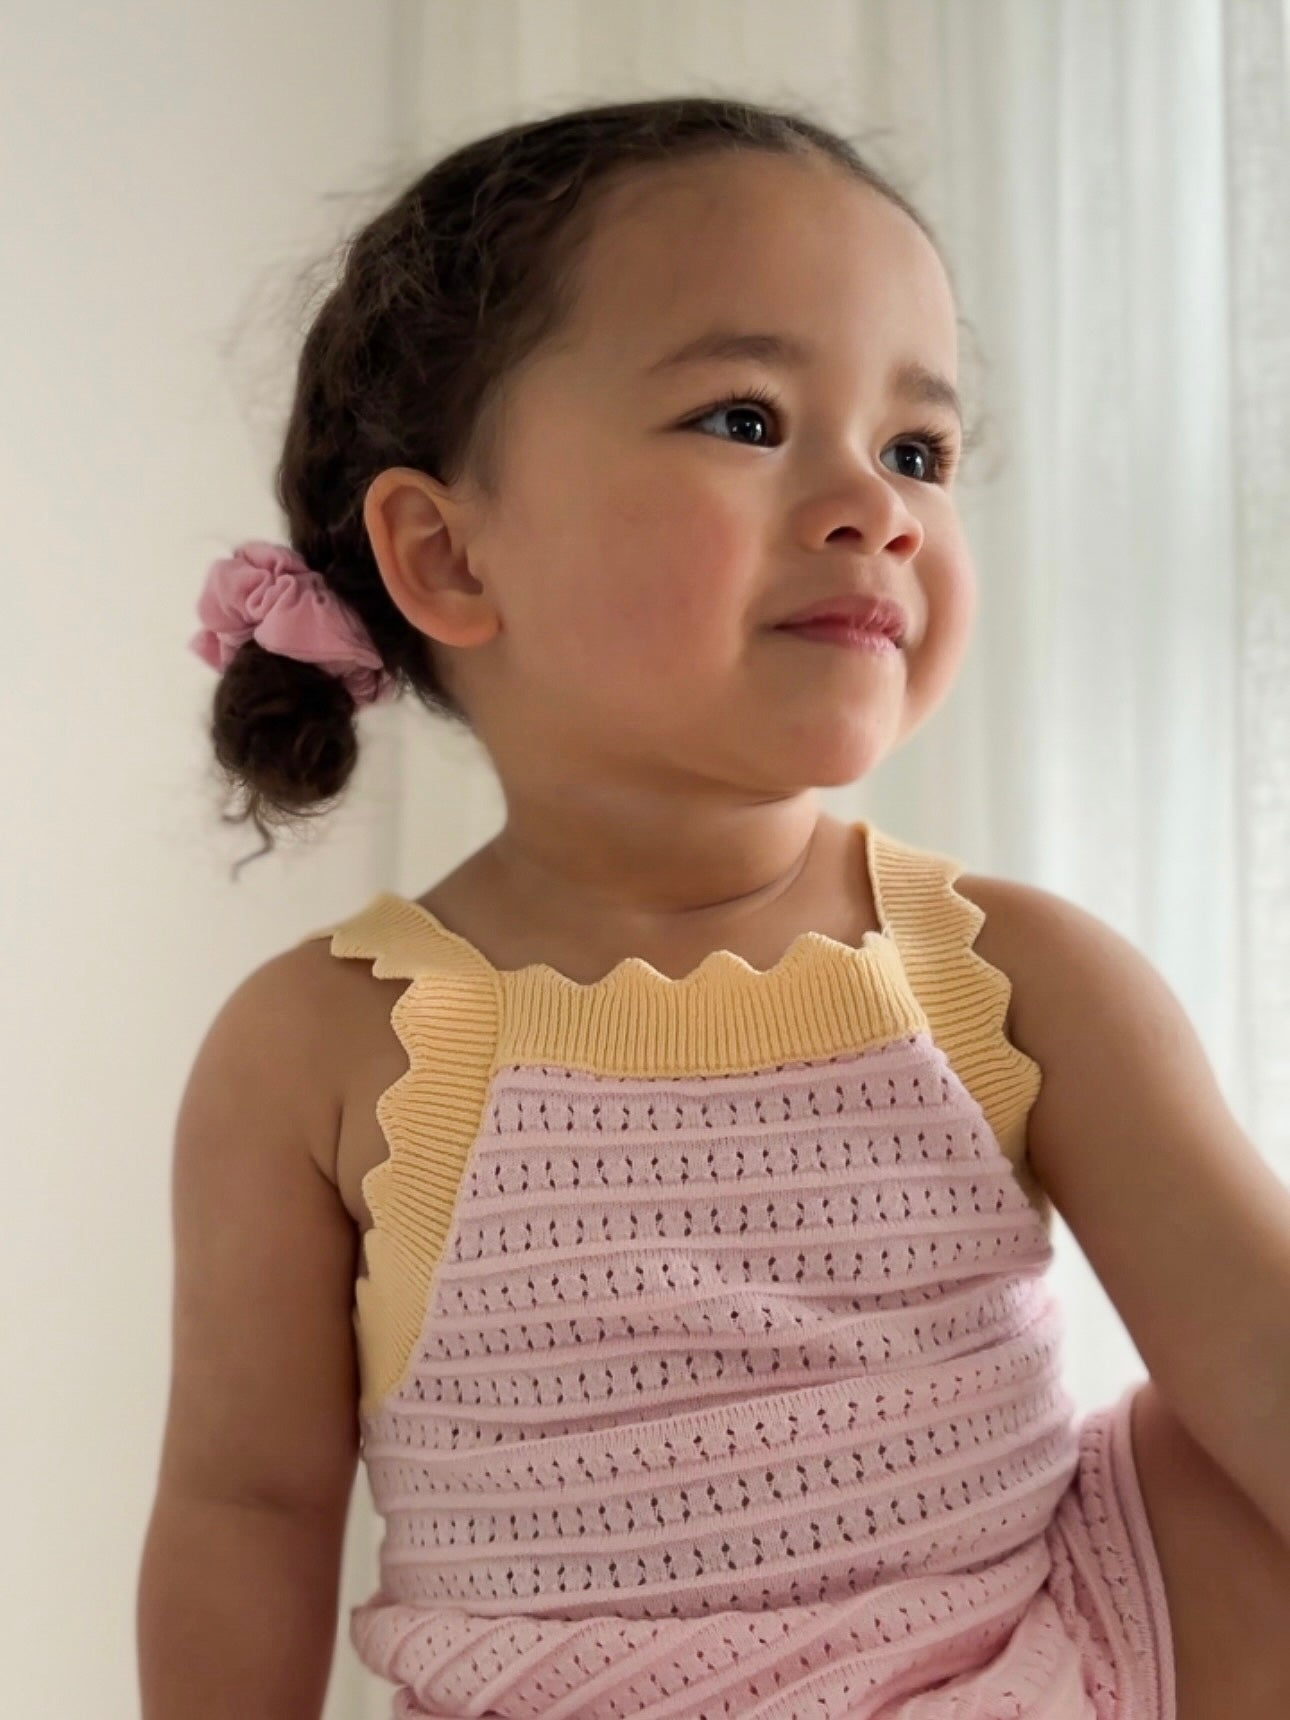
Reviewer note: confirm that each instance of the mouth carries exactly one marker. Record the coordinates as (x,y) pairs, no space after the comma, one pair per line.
(855,617)
(844,633)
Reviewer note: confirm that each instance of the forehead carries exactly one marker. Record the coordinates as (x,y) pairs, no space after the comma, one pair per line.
(756,240)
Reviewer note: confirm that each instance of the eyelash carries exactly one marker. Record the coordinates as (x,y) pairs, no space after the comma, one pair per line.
(941,445)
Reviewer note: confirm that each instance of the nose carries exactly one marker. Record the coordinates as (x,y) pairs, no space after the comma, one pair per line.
(863,505)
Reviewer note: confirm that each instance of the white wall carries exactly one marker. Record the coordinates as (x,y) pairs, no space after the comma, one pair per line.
(165,172)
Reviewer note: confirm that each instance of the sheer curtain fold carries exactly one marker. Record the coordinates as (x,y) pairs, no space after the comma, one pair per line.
(1108,178)
(1256,167)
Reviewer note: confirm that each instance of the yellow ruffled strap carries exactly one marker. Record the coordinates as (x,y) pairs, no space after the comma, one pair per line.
(447,1023)
(965,998)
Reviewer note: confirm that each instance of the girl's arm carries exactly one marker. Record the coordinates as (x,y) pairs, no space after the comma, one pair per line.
(1184,1222)
(238,1590)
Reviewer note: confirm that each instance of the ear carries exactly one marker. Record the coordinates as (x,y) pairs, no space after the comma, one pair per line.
(418,535)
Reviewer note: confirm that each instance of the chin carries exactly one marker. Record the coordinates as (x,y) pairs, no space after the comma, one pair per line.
(836,757)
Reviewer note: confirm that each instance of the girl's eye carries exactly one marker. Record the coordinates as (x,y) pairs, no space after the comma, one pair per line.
(934,446)
(939,464)
(763,403)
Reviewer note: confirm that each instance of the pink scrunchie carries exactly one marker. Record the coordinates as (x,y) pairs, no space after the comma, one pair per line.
(266,592)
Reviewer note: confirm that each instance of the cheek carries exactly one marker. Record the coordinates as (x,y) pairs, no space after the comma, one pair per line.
(663,576)
(952,601)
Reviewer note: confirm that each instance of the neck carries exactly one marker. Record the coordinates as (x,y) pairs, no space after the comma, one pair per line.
(651,868)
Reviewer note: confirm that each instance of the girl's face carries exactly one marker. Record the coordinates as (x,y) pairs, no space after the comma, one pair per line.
(645,541)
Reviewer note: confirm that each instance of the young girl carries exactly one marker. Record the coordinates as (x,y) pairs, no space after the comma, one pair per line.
(685,1159)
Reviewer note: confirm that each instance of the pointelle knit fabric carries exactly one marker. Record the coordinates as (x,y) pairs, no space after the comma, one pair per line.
(709,1366)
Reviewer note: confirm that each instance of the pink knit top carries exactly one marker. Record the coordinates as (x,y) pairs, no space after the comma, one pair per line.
(708,1362)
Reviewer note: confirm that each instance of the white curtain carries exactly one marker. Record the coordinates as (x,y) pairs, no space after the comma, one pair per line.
(1108,179)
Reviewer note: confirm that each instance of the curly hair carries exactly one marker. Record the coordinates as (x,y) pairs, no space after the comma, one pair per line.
(438,299)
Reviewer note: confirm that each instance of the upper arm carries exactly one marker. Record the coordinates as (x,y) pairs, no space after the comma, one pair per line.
(264,1375)
(1185,1223)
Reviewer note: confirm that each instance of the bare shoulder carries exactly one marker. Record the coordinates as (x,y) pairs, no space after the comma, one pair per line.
(1122,1062)
(275,1028)
(1046,944)
(345,1015)
(1043,943)
(300,1025)
(330,1018)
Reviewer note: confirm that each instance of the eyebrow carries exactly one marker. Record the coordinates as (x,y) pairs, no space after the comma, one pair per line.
(912,379)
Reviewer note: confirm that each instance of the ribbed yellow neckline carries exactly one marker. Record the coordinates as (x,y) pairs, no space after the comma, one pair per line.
(463,1019)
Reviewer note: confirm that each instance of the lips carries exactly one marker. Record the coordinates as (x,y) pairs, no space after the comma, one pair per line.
(863,614)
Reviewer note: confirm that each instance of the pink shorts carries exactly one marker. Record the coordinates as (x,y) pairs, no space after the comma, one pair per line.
(1106,1581)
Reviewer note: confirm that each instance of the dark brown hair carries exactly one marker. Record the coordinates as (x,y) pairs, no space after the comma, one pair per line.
(439,298)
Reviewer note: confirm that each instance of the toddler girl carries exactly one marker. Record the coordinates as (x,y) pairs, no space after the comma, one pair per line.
(670,1154)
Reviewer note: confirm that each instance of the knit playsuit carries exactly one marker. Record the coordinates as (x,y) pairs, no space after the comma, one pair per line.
(708,1362)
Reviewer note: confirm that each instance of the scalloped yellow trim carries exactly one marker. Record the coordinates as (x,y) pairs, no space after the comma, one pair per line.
(965,996)
(461,1019)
